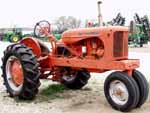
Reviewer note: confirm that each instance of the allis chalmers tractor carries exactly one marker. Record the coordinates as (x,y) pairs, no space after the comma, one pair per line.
(70,61)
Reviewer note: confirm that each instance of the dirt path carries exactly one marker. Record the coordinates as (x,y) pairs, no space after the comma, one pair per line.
(144,49)
(88,100)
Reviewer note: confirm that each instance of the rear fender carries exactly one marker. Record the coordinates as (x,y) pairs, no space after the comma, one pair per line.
(37,46)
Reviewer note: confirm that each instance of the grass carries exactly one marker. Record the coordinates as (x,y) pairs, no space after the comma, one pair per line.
(46,94)
(53,91)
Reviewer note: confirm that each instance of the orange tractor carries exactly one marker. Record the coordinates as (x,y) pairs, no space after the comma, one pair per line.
(70,62)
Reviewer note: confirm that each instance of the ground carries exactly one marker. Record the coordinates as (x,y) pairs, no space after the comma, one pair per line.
(90,99)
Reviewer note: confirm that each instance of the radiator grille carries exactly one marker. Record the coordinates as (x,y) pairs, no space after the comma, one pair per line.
(118,44)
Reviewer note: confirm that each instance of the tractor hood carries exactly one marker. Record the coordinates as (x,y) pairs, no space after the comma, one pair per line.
(75,35)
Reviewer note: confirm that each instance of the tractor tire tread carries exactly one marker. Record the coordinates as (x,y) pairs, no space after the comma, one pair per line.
(131,86)
(31,72)
(143,87)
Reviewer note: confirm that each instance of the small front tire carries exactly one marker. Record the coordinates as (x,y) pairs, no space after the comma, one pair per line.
(143,87)
(121,91)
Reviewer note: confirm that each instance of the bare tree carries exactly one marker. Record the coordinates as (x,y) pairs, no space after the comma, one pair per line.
(73,22)
(63,23)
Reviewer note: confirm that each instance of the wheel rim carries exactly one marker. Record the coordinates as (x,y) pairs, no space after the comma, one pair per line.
(69,77)
(119,92)
(14,73)
(15,38)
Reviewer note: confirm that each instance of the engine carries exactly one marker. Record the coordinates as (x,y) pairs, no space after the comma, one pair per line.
(110,43)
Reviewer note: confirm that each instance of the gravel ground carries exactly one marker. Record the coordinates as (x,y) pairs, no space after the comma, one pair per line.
(90,99)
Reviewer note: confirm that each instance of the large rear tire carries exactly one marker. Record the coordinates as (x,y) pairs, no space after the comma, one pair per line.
(121,91)
(143,87)
(20,72)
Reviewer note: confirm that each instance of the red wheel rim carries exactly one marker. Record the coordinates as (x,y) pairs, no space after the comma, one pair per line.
(16,72)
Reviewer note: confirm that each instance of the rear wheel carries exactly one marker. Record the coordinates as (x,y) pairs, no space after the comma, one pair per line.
(121,91)
(20,72)
(143,87)
(14,38)
(75,80)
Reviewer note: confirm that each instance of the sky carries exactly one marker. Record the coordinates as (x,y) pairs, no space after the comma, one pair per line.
(25,13)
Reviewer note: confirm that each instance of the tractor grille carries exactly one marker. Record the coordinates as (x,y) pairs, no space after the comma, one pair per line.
(118,44)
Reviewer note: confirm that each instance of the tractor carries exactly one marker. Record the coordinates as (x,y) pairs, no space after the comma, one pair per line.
(13,34)
(139,31)
(70,61)
(16,34)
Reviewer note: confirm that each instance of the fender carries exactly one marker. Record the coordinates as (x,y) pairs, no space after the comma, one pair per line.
(37,46)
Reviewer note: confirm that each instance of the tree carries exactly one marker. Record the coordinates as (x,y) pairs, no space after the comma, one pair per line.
(64,23)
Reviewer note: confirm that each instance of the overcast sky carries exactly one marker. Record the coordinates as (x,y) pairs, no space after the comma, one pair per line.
(28,12)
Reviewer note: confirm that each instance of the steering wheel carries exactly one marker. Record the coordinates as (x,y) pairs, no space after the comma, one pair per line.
(42,29)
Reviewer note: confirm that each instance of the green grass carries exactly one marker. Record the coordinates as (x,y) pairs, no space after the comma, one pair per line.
(46,94)
(53,91)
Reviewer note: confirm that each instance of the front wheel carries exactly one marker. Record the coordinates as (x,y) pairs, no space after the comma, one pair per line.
(143,87)
(121,91)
